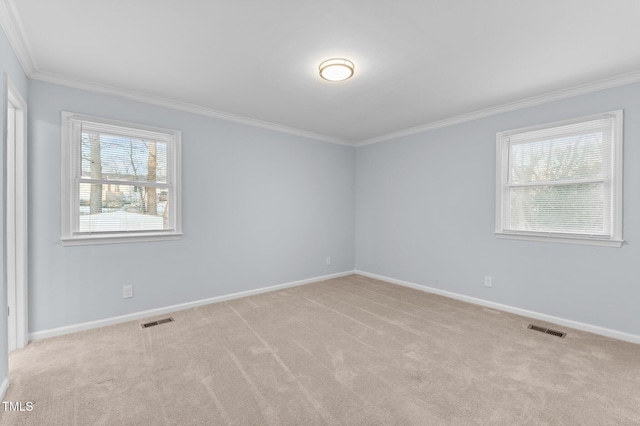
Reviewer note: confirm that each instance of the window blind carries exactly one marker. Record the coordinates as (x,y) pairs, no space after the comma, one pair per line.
(561,179)
(122,179)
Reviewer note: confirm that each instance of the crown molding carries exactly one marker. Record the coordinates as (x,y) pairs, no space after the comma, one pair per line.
(12,24)
(596,86)
(620,80)
(180,106)
(14,29)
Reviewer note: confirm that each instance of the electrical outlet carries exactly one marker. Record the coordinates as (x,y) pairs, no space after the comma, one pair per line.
(127,291)
(488,282)
(327,261)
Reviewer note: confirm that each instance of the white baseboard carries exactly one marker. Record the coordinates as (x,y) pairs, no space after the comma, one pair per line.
(3,388)
(615,334)
(159,311)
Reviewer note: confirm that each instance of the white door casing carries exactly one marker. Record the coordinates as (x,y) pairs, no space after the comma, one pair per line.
(16,215)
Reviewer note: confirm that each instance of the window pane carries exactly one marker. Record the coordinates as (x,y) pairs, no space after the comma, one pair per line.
(565,208)
(113,157)
(555,159)
(109,208)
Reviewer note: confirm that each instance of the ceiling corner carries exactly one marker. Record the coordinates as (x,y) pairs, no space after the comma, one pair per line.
(595,86)
(89,86)
(12,25)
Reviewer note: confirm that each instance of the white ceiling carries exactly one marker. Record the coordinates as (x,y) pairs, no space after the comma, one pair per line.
(417,62)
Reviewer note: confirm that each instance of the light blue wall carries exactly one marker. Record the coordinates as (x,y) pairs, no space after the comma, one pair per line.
(10,67)
(260,208)
(263,208)
(425,208)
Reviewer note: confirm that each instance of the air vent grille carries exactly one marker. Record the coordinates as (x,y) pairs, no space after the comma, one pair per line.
(153,323)
(546,330)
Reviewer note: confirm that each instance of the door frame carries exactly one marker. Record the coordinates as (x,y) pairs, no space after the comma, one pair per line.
(15,214)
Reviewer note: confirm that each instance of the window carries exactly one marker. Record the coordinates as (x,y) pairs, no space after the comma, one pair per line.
(562,182)
(120,181)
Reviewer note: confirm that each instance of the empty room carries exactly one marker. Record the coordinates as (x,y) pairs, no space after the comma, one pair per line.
(344,212)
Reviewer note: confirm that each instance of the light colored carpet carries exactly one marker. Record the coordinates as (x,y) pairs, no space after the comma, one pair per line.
(349,351)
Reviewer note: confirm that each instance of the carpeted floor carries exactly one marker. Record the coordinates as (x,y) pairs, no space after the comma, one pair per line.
(349,351)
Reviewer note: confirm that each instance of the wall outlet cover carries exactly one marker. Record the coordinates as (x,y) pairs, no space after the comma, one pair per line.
(127,291)
(488,282)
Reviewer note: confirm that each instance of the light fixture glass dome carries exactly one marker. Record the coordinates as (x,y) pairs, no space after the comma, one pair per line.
(336,69)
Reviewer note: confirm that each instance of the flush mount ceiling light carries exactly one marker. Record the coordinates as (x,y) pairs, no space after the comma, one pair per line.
(336,69)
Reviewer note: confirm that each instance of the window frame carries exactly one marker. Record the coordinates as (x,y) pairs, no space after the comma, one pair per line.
(70,183)
(614,239)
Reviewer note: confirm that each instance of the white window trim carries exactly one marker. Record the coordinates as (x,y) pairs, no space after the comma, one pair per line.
(70,214)
(502,170)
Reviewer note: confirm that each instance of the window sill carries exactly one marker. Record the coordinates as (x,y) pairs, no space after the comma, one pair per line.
(84,240)
(567,239)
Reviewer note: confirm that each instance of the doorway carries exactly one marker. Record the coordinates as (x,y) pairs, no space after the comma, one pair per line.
(16,215)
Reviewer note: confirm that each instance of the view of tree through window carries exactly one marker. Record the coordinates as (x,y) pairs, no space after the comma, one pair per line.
(561,181)
(570,177)
(123,183)
(120,181)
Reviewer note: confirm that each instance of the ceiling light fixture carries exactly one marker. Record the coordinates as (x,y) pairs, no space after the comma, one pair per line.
(336,69)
